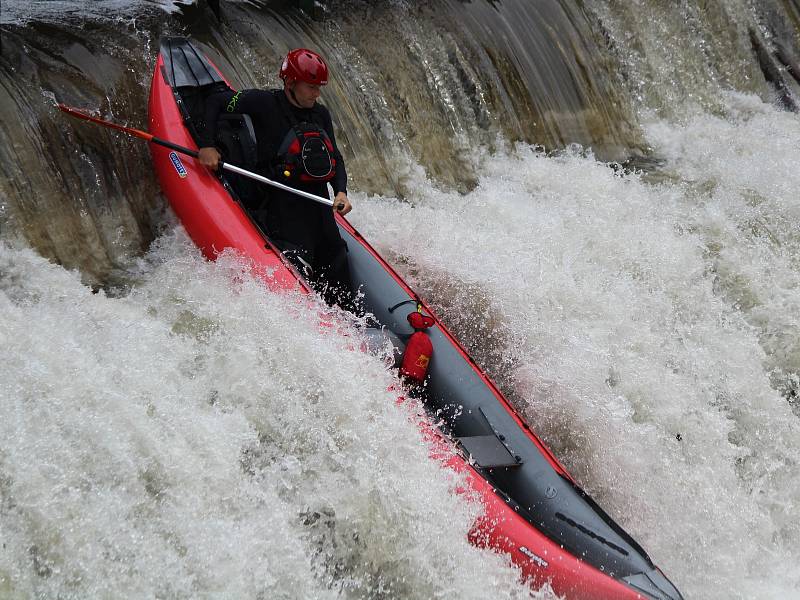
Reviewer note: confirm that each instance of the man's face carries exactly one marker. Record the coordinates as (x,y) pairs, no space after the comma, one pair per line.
(306,94)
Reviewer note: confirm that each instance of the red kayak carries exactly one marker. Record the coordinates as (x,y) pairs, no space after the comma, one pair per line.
(534,510)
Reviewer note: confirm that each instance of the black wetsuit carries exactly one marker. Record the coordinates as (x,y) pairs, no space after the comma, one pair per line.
(305,230)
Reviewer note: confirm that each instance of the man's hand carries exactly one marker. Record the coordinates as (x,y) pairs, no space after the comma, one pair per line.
(341,204)
(209,157)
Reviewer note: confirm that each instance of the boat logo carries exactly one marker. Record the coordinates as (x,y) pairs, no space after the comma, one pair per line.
(535,558)
(176,162)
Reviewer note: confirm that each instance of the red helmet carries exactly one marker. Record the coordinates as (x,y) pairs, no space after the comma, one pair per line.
(304,65)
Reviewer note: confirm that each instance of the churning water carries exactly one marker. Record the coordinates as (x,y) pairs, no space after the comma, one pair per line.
(182,433)
(200,437)
(652,329)
(195,435)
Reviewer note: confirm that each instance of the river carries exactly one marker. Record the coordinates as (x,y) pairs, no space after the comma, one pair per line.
(601,200)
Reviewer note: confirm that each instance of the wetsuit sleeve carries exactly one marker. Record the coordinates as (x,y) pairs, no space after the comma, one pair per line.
(215,104)
(247,102)
(339,182)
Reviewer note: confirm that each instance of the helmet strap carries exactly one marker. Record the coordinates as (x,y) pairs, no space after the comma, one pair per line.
(288,89)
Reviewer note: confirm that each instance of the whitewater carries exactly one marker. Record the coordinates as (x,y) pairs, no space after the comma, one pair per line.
(651,325)
(188,434)
(171,429)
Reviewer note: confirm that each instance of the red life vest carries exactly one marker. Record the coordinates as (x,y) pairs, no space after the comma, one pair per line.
(306,154)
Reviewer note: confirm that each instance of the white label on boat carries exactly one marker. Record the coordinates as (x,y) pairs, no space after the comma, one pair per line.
(176,162)
(535,558)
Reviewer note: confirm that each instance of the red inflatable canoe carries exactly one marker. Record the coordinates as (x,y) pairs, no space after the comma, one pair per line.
(534,511)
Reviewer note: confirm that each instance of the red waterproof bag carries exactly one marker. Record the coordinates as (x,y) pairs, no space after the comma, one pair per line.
(419,348)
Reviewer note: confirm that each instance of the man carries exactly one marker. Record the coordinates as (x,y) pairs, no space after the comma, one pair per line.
(296,146)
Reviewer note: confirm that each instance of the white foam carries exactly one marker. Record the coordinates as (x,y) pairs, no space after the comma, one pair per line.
(621,299)
(200,437)
(20,12)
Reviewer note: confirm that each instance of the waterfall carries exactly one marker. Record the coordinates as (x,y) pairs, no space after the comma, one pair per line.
(600,198)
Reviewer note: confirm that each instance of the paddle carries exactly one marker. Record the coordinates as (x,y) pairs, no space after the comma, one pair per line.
(193,153)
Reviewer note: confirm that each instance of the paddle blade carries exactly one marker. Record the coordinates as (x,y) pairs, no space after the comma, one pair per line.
(74,112)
